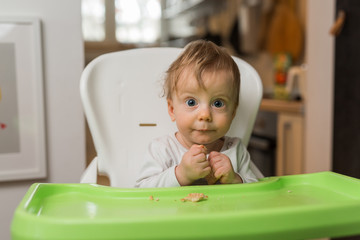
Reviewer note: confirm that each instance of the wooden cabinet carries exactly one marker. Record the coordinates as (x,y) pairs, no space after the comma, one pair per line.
(290,135)
(290,145)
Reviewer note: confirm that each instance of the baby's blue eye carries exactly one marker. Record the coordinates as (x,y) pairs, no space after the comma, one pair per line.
(218,104)
(191,102)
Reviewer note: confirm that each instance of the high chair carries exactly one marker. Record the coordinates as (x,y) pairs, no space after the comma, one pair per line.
(121,94)
(122,99)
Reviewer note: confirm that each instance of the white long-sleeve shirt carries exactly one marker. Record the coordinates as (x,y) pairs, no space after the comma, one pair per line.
(165,153)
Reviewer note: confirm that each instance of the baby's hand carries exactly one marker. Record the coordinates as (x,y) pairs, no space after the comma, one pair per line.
(193,166)
(222,168)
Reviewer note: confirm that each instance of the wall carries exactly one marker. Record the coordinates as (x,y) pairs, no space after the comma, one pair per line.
(320,81)
(63,60)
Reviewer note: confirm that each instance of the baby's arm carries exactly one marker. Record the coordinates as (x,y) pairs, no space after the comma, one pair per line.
(223,169)
(157,168)
(193,166)
(157,178)
(244,165)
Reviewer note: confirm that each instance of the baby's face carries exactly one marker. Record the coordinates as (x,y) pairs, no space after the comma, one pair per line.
(203,114)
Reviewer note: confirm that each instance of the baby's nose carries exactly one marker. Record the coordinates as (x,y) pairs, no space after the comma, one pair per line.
(204,113)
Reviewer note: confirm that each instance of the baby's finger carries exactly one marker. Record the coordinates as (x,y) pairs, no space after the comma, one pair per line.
(218,173)
(215,159)
(205,172)
(204,166)
(216,165)
(214,154)
(201,157)
(197,149)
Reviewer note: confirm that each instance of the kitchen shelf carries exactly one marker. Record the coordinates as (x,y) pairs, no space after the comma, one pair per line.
(283,106)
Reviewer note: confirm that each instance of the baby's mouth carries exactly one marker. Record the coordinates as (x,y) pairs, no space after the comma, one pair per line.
(204,130)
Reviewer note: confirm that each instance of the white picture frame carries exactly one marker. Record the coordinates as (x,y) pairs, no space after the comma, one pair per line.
(22,119)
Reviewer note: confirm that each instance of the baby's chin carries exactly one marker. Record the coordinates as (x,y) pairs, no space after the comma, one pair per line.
(206,142)
(203,141)
(204,138)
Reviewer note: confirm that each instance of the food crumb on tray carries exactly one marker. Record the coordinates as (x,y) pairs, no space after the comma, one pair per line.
(151,198)
(194,197)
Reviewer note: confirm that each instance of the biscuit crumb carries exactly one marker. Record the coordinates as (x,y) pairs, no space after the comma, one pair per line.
(211,180)
(194,197)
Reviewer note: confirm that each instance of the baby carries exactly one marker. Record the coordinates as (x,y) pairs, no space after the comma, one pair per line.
(202,90)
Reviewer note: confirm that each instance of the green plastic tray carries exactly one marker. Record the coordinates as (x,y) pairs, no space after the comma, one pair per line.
(303,206)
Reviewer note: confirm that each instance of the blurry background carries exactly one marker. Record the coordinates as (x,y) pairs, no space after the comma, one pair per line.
(303,124)
(269,34)
(248,28)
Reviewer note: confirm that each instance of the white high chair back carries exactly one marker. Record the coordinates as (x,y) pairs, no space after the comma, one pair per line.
(121,94)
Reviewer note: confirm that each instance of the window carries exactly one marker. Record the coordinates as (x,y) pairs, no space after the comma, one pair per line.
(93,20)
(125,21)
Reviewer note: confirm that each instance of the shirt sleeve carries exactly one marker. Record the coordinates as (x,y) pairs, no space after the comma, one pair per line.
(157,169)
(244,165)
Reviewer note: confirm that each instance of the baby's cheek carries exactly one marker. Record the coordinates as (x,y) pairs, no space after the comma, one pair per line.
(224,122)
(183,124)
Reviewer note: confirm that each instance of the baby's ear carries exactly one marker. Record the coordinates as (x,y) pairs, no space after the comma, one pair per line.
(171,109)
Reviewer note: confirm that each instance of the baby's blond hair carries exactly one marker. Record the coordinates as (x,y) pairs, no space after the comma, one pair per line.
(202,56)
